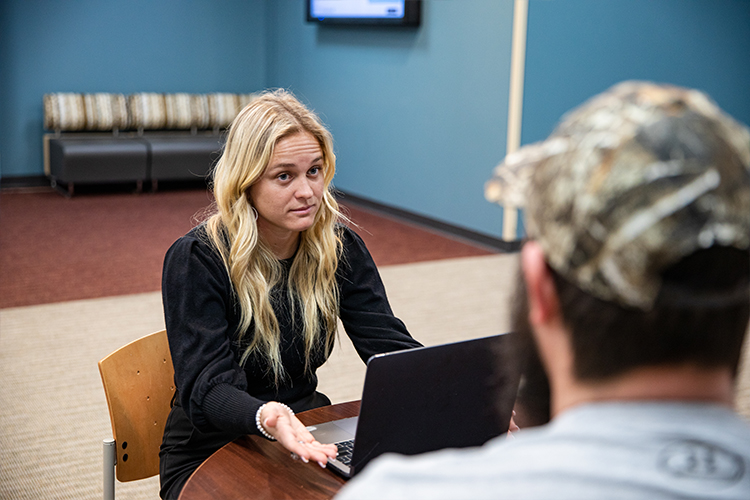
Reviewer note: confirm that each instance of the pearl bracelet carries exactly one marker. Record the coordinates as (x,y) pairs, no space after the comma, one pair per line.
(259,425)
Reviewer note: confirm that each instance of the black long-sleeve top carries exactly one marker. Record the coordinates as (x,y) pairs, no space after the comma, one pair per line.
(202,317)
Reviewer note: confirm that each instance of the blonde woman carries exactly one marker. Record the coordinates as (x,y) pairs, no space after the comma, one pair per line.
(252,296)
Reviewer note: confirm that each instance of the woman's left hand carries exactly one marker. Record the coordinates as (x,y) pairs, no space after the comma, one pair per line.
(294,436)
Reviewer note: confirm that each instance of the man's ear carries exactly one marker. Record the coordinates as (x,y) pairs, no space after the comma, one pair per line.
(544,306)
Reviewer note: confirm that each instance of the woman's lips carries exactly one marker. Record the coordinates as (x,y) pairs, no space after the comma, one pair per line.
(303,210)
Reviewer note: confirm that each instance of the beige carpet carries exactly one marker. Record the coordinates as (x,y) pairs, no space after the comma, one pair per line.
(53,415)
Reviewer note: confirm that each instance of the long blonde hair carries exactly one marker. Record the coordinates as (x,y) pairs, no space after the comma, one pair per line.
(252,267)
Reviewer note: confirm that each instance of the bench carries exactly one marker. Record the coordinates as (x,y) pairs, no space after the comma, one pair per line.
(140,138)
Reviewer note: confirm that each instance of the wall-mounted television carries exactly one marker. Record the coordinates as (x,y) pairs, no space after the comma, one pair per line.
(374,12)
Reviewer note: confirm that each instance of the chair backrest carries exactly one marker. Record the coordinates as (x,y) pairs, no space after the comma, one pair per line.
(138,381)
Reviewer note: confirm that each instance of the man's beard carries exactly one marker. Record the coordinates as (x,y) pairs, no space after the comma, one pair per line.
(533,400)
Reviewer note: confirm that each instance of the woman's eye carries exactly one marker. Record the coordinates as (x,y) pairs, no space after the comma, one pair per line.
(314,171)
(283,177)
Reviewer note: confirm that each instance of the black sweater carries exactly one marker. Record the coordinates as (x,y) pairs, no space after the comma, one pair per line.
(202,317)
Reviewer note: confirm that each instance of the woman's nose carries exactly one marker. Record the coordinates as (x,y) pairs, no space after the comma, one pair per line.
(304,190)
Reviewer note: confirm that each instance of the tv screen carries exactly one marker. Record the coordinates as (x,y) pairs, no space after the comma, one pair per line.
(385,12)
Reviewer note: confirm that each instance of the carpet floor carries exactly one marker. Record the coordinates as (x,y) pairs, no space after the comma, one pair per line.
(54,249)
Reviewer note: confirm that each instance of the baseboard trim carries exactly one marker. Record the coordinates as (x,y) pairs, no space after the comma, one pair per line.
(24,181)
(473,237)
(34,183)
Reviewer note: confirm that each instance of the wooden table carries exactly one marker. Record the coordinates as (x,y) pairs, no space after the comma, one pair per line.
(254,468)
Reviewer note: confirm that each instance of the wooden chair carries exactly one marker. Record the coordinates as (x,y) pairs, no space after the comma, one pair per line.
(138,381)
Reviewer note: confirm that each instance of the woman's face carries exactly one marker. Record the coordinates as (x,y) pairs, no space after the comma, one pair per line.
(289,193)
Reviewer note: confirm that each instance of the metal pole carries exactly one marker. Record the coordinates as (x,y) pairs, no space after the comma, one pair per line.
(110,459)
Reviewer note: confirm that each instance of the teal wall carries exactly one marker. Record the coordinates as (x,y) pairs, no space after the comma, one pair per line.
(418,115)
(578,48)
(118,46)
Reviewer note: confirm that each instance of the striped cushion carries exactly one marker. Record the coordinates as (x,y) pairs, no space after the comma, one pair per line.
(179,111)
(105,111)
(64,111)
(199,110)
(222,108)
(147,110)
(186,111)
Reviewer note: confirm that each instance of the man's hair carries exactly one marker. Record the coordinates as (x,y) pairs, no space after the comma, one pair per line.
(700,317)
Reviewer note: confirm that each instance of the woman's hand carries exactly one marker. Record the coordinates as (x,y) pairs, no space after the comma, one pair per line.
(289,431)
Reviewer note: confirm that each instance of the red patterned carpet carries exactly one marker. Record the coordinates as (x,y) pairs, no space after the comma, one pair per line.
(55,249)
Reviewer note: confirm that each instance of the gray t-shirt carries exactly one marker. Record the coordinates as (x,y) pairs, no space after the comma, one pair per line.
(628,450)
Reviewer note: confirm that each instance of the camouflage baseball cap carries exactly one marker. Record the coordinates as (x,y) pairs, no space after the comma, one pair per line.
(628,184)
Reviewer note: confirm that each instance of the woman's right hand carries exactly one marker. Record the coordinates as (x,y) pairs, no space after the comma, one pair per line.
(282,424)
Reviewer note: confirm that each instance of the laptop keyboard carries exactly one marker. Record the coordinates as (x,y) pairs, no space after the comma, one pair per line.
(345,451)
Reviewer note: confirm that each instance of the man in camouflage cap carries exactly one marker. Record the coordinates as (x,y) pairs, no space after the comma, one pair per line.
(634,296)
(629,183)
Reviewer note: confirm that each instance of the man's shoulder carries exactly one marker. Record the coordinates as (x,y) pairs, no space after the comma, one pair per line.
(456,473)
(659,449)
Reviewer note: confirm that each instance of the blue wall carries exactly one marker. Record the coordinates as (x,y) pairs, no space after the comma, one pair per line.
(578,48)
(118,46)
(418,115)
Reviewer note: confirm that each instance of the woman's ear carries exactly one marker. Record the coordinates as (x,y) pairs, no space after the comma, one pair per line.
(544,305)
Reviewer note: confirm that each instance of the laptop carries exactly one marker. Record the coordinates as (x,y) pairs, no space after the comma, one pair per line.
(447,396)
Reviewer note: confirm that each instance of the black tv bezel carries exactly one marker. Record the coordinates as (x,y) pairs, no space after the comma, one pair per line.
(412,17)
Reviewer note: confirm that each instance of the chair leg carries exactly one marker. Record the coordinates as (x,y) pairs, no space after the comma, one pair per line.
(110,459)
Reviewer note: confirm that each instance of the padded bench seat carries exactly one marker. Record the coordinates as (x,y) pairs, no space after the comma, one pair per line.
(104,158)
(97,160)
(182,157)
